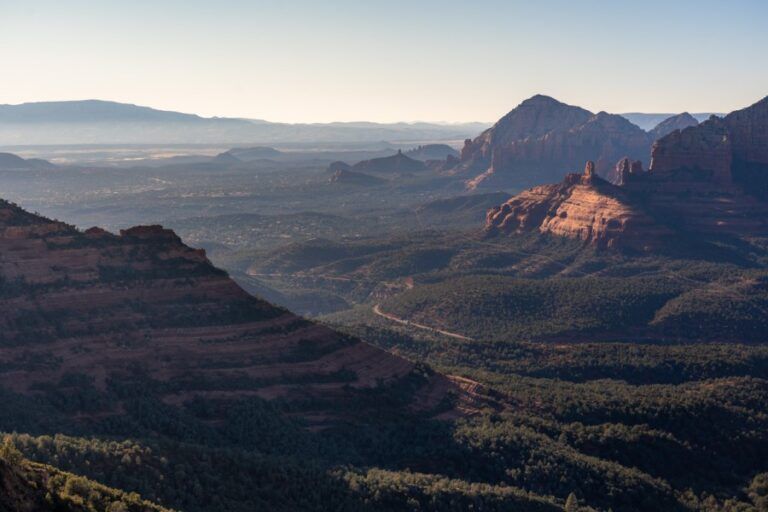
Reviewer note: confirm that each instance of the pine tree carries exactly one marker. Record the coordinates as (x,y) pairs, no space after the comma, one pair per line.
(572,503)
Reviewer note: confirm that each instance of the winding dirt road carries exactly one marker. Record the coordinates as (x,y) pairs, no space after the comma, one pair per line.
(377,310)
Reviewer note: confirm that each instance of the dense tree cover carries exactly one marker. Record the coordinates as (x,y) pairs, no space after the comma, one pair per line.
(646,423)
(528,287)
(198,478)
(29,486)
(499,308)
(680,422)
(503,308)
(730,312)
(384,491)
(636,363)
(610,444)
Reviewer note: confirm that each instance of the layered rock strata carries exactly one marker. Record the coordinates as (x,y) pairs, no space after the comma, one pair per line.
(142,305)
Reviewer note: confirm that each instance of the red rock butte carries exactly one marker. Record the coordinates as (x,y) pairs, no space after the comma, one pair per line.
(710,179)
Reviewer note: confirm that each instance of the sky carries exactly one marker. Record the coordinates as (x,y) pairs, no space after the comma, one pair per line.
(386,61)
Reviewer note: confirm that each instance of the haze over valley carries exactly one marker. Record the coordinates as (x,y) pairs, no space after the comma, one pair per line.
(556,300)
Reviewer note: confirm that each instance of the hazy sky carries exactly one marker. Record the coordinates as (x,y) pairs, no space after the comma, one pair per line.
(392,60)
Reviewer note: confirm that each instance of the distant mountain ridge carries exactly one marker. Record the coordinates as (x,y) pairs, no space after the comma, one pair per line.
(678,122)
(88,122)
(89,111)
(647,121)
(108,122)
(9,161)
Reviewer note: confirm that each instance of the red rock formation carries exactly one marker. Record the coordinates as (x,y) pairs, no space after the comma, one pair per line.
(710,179)
(705,148)
(108,306)
(748,130)
(542,136)
(734,148)
(154,232)
(583,207)
(533,118)
(96,232)
(623,171)
(698,183)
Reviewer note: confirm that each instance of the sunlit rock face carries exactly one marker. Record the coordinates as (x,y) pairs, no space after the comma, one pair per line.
(708,179)
(585,207)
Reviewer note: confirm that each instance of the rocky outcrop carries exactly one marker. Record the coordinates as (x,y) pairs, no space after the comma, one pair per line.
(705,180)
(706,149)
(725,150)
(585,207)
(398,163)
(533,118)
(347,177)
(748,129)
(647,211)
(627,170)
(432,152)
(623,170)
(678,122)
(113,307)
(541,137)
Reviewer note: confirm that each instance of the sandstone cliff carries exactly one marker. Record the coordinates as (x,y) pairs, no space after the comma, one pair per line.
(585,207)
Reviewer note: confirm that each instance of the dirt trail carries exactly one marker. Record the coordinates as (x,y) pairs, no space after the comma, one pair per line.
(377,310)
(304,276)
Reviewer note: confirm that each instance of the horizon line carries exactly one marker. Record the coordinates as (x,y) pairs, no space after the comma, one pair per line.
(411,122)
